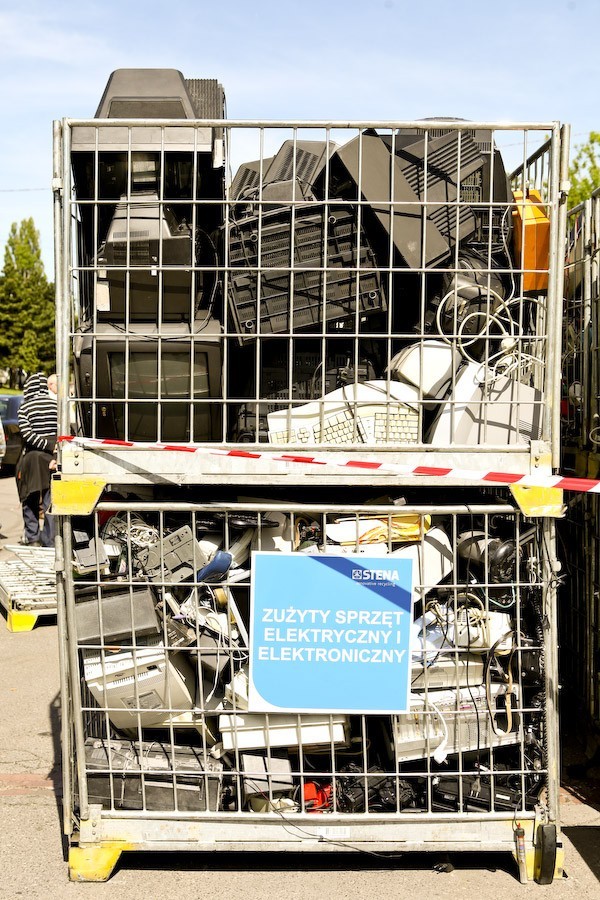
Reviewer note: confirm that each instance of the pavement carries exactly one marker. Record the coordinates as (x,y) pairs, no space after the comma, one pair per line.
(32,861)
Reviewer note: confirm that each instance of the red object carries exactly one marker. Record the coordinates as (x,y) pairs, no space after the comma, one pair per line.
(316,796)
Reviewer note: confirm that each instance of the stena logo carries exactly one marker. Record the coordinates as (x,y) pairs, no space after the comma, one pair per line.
(375,575)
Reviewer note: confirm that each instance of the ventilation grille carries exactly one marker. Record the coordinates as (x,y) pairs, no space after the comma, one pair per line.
(442,165)
(207,97)
(246,179)
(309,156)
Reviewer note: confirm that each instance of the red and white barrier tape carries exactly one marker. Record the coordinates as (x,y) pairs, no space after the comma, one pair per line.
(566,483)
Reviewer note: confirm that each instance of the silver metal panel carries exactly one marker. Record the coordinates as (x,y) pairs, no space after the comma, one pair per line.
(182,136)
(28,583)
(469,833)
(131,465)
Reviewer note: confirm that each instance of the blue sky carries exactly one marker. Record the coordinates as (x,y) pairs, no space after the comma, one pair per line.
(518,60)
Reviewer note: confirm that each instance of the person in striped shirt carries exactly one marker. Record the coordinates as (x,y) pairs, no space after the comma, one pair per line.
(37,419)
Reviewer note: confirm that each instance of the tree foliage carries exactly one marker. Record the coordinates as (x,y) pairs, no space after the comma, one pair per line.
(26,306)
(584,171)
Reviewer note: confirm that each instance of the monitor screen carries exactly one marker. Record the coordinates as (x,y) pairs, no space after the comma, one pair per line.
(140,388)
(140,372)
(150,402)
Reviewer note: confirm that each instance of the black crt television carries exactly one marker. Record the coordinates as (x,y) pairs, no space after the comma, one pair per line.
(150,384)
(483,185)
(411,194)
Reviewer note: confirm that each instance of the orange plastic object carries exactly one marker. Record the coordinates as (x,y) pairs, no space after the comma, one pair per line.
(531,238)
(317,796)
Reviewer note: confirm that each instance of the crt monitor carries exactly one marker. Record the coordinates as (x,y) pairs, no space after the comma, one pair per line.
(139,235)
(146,389)
(187,173)
(479,185)
(395,188)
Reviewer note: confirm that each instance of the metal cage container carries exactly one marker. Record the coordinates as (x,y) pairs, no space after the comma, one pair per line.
(383,288)
(166,747)
(580,531)
(269,325)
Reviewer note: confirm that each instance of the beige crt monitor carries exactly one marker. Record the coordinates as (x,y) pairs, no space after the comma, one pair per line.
(488,409)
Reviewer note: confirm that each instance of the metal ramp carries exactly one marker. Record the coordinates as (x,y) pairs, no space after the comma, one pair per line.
(28,586)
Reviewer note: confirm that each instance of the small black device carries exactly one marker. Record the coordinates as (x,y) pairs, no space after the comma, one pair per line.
(376,791)
(477,794)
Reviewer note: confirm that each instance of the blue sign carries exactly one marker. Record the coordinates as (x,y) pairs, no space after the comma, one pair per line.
(330,633)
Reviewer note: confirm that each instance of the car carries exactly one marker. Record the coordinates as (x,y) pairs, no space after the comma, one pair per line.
(9,409)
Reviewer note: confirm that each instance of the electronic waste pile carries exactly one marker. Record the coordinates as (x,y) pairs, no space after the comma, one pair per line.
(164,639)
(380,287)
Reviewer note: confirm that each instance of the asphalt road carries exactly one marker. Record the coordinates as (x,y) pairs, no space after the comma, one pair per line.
(31,846)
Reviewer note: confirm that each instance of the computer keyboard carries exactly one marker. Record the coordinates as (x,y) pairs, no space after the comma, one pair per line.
(343,427)
(400,427)
(363,413)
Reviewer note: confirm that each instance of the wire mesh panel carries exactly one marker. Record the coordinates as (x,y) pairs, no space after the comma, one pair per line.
(379,286)
(581,353)
(169,645)
(580,531)
(579,550)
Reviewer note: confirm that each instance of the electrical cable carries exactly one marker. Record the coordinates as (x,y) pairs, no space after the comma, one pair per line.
(467,578)
(320,837)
